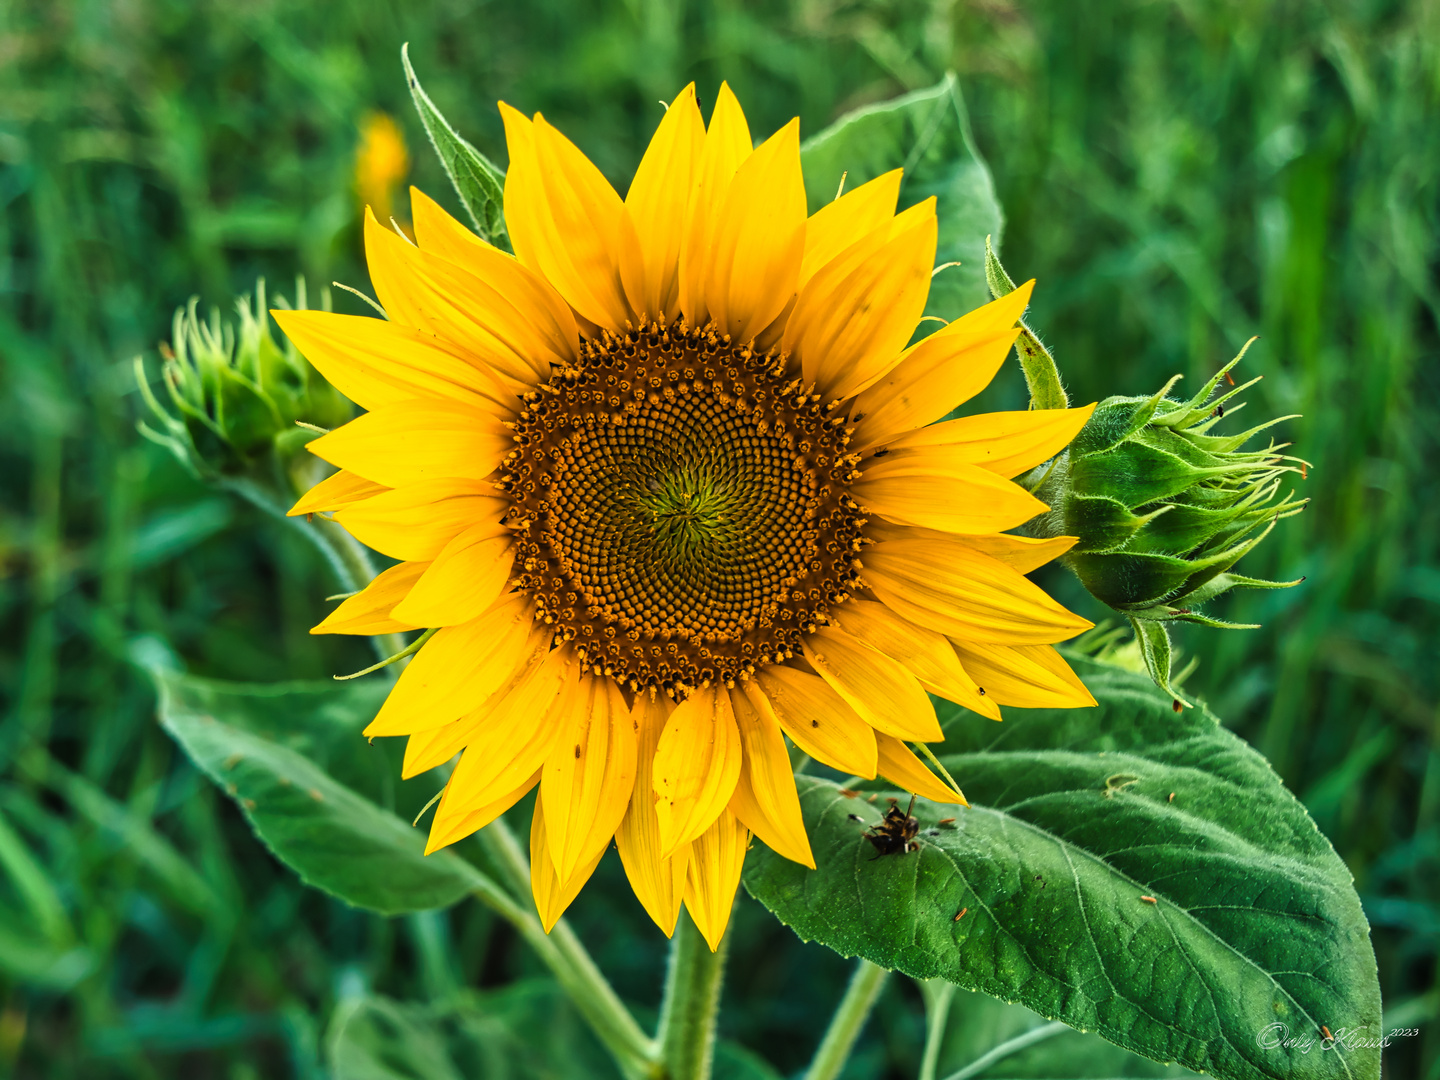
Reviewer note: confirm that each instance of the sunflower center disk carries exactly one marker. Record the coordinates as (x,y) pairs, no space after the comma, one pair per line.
(682,508)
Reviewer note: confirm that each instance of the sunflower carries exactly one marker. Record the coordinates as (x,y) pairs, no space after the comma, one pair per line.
(667,487)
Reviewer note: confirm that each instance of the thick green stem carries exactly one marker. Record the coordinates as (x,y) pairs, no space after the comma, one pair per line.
(1042,376)
(692,1003)
(849,1019)
(938,995)
(635,1053)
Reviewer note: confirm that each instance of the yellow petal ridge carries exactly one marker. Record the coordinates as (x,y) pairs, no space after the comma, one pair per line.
(589,776)
(901,767)
(765,799)
(697,763)
(371,610)
(658,880)
(965,594)
(716,859)
(816,718)
(882,690)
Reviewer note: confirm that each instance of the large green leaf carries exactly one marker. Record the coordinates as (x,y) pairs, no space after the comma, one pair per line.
(1183,929)
(332,836)
(926,133)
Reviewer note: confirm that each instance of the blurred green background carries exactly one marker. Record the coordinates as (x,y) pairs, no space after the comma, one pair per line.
(1178,175)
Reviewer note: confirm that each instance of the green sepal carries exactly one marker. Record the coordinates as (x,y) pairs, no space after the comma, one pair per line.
(1136,474)
(1154,641)
(478,181)
(1103,524)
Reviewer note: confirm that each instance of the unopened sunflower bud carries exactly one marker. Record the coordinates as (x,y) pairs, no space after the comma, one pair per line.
(238,398)
(1164,509)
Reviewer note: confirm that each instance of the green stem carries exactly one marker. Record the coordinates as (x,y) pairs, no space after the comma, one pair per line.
(691,1004)
(937,1012)
(1042,376)
(1005,1049)
(849,1019)
(635,1053)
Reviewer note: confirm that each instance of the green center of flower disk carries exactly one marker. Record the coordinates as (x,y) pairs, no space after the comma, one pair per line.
(682,507)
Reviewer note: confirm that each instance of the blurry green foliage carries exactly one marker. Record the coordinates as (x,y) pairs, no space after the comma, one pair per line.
(1177,175)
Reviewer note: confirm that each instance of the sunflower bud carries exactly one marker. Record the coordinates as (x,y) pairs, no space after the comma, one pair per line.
(239,398)
(1164,509)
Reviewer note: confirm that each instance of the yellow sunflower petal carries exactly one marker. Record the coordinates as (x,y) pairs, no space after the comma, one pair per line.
(509,731)
(903,768)
(716,860)
(370,611)
(925,653)
(1026,676)
(467,312)
(450,827)
(553,893)
(854,316)
(457,669)
(944,370)
(727,144)
(564,219)
(696,766)
(836,225)
(759,239)
(377,363)
(765,798)
(656,205)
(1022,553)
(418,440)
(883,691)
(1006,443)
(658,881)
(936,487)
(335,491)
(551,318)
(589,776)
(816,718)
(415,522)
(465,579)
(965,594)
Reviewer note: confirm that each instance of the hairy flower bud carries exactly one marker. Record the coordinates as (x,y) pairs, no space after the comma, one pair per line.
(239,399)
(1164,509)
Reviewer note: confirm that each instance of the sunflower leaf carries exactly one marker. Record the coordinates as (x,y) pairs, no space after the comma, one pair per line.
(1195,928)
(927,134)
(478,181)
(334,838)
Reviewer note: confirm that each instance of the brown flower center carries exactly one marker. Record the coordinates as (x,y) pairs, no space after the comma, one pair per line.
(682,507)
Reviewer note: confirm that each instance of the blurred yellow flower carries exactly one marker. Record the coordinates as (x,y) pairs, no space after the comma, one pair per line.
(381,163)
(670,485)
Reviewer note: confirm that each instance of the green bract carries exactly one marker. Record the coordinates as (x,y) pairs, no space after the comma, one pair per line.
(1164,509)
(238,395)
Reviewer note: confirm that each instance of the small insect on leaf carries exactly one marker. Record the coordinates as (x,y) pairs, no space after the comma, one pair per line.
(848,793)
(1149,899)
(1172,797)
(1176,704)
(960,914)
(895,835)
(1326,1031)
